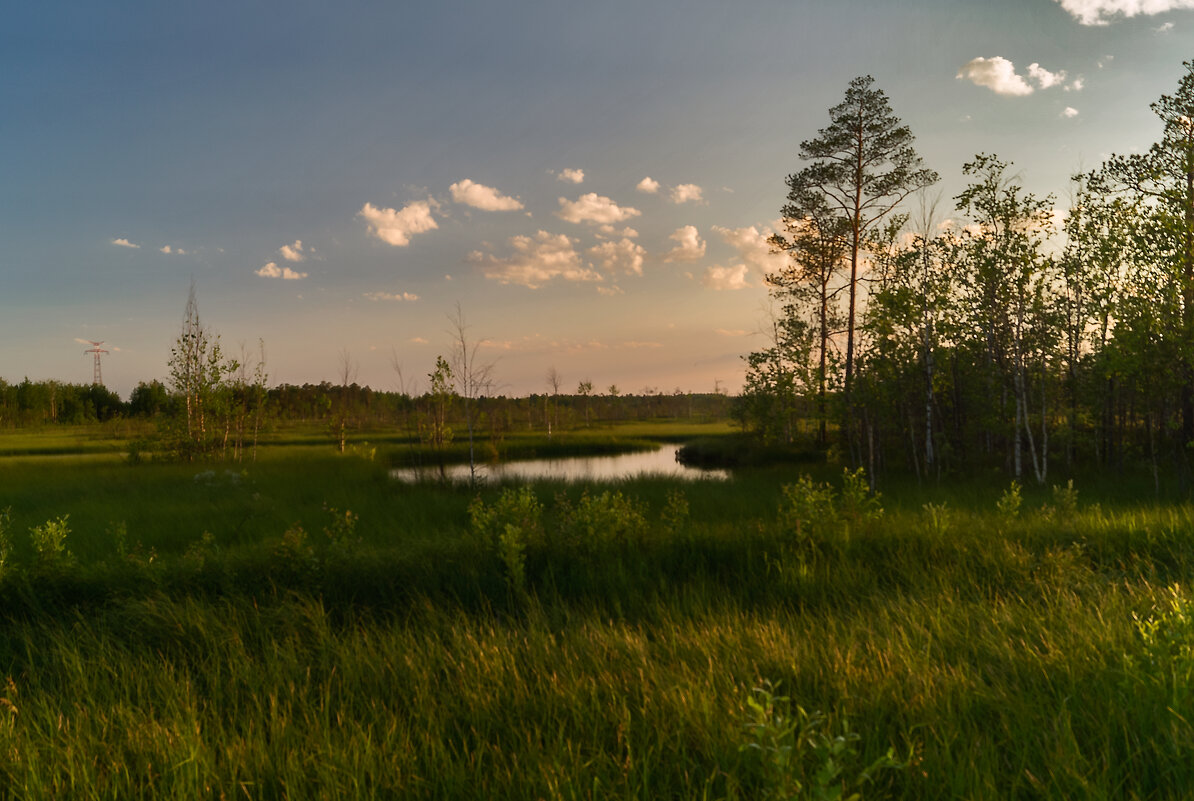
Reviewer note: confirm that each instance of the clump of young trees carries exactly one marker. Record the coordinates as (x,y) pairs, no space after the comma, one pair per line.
(1012,333)
(219,405)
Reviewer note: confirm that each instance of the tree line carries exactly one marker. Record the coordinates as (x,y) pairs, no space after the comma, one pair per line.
(216,405)
(1007,332)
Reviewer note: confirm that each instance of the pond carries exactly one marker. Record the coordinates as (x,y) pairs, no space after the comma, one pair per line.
(661,462)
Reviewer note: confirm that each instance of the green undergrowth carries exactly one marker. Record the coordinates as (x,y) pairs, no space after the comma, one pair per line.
(769,637)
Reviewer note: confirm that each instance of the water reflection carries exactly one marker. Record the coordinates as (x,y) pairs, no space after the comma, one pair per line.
(660,462)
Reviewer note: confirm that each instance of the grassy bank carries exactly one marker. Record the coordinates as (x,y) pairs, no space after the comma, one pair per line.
(583,642)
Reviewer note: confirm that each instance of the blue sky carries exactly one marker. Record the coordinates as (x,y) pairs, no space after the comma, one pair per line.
(338,177)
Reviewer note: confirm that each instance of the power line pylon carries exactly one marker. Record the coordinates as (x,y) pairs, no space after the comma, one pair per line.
(98,377)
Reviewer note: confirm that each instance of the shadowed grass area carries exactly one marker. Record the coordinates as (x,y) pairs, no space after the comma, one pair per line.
(337,635)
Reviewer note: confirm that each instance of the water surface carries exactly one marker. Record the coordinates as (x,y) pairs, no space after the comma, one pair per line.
(661,462)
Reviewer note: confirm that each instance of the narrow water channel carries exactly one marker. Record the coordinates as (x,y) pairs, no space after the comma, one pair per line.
(661,462)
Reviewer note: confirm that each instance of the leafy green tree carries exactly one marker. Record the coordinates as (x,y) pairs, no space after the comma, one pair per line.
(1160,182)
(810,288)
(197,377)
(1006,281)
(861,166)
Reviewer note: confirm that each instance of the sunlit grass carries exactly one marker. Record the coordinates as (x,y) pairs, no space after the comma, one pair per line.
(1042,654)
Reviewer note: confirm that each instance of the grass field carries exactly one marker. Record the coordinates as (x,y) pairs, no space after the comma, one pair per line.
(302,627)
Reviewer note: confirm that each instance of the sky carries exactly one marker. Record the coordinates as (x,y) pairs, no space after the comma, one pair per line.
(589,184)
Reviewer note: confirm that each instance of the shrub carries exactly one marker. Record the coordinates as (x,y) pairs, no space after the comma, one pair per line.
(1009,503)
(49,542)
(806,509)
(610,517)
(675,512)
(341,528)
(1065,501)
(516,506)
(514,519)
(857,504)
(799,756)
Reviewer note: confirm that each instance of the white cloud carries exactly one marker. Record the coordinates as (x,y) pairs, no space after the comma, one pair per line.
(571,175)
(482,197)
(420,341)
(166,249)
(535,261)
(1101,12)
(687,192)
(997,74)
(1069,112)
(731,332)
(609,230)
(753,248)
(648,185)
(1076,85)
(1164,27)
(397,227)
(1043,77)
(293,252)
(610,291)
(1105,61)
(390,296)
(620,257)
(272,270)
(124,243)
(726,278)
(689,245)
(594,208)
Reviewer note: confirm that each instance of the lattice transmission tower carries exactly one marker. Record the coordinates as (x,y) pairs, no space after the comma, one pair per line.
(98,376)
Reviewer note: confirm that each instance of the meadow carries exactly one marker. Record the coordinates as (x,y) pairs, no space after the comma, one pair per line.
(302,626)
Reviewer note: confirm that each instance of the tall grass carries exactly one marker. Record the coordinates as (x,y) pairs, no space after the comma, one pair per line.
(1045,652)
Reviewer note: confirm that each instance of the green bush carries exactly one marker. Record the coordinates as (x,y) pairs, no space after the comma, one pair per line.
(806,509)
(49,542)
(799,757)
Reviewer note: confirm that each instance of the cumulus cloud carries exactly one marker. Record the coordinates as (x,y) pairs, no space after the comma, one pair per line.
(293,252)
(753,248)
(1076,85)
(594,208)
(1101,12)
(168,250)
(390,296)
(726,278)
(685,193)
(482,197)
(124,243)
(1069,112)
(272,270)
(620,257)
(396,227)
(1043,77)
(648,185)
(534,261)
(1164,27)
(609,230)
(997,74)
(571,175)
(689,245)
